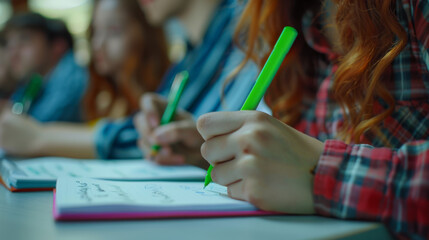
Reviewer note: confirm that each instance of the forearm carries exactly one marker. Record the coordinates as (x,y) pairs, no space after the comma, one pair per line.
(67,140)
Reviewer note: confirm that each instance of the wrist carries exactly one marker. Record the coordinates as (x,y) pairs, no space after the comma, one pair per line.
(313,170)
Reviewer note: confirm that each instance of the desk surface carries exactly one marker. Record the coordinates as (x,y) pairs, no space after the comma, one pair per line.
(29,216)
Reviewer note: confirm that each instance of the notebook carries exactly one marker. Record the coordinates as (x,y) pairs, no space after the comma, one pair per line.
(42,173)
(93,199)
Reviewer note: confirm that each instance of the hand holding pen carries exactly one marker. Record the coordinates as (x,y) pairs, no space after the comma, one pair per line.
(19,134)
(30,93)
(174,141)
(279,52)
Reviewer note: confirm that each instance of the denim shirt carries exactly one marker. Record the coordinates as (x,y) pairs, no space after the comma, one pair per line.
(60,97)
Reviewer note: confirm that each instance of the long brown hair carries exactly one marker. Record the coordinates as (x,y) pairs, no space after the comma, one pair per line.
(148,68)
(370,38)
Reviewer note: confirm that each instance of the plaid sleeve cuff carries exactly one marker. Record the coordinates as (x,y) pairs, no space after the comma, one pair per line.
(117,140)
(326,185)
(350,181)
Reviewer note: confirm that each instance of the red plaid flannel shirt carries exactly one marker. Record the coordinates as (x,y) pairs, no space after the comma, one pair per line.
(370,181)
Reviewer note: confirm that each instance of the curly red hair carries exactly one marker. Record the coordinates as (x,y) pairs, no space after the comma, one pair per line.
(370,38)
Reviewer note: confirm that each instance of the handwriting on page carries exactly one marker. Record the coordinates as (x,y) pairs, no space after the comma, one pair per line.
(53,169)
(157,193)
(150,193)
(94,192)
(83,191)
(198,190)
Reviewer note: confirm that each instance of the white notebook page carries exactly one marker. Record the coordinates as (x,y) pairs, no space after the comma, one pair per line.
(90,195)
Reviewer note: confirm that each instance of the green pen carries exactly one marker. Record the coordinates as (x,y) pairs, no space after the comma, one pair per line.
(30,93)
(280,50)
(176,91)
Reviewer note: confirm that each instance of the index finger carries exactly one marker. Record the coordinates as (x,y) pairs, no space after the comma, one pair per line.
(220,123)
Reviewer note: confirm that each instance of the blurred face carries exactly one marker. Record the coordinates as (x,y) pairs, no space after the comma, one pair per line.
(115,39)
(28,51)
(159,11)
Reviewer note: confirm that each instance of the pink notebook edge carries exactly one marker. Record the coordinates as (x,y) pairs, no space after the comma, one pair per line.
(154,215)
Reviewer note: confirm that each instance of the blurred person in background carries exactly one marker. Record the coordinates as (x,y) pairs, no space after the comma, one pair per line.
(129,57)
(210,58)
(37,45)
(7,84)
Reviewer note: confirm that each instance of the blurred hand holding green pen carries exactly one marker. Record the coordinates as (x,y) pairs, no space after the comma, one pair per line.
(176,91)
(20,135)
(16,130)
(179,139)
(22,106)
